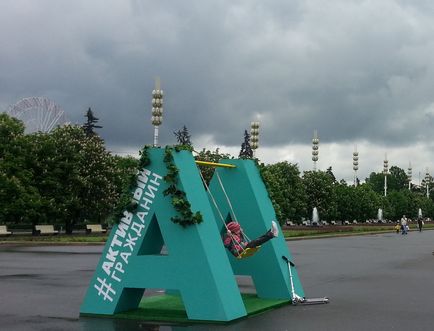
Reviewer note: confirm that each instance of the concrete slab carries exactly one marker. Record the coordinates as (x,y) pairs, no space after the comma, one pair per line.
(378,282)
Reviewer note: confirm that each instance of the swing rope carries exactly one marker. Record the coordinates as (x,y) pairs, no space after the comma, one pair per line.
(248,251)
(230,204)
(234,242)
(212,198)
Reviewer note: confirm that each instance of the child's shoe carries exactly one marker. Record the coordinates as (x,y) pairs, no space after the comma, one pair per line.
(274,229)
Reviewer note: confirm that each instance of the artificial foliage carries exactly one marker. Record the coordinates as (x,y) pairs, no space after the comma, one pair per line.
(125,201)
(185,216)
(179,200)
(144,159)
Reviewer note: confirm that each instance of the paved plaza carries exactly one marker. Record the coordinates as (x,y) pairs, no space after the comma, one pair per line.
(375,282)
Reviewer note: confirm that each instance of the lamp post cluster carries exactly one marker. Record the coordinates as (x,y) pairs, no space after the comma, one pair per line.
(157,120)
(157,109)
(315,149)
(254,136)
(385,172)
(355,165)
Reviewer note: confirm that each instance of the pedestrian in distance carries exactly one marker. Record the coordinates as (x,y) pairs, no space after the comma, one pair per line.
(420,223)
(404,226)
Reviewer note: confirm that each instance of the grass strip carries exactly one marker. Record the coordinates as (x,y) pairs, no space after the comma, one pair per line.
(289,233)
(170,309)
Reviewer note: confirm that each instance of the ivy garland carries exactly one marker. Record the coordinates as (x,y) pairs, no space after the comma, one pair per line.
(144,160)
(179,200)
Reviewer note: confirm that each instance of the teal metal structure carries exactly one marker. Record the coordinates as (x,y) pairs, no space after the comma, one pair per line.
(248,196)
(196,265)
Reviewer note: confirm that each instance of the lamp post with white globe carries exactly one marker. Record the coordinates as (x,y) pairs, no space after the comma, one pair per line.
(315,149)
(355,165)
(254,136)
(385,172)
(157,109)
(409,175)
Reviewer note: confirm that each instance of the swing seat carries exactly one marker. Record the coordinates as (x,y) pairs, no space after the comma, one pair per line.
(248,252)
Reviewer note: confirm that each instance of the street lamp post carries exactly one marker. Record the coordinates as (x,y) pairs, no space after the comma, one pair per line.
(315,149)
(409,175)
(254,136)
(157,109)
(355,164)
(385,172)
(427,182)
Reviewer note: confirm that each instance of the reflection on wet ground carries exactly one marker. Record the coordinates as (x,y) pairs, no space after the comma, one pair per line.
(43,286)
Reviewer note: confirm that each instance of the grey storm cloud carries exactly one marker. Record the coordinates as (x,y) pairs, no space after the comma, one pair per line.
(354,70)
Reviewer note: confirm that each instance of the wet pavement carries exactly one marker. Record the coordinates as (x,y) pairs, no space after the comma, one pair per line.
(375,282)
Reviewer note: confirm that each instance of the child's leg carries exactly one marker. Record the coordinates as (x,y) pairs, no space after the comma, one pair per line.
(261,240)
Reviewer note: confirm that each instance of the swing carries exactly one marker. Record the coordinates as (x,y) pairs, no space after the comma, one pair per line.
(246,252)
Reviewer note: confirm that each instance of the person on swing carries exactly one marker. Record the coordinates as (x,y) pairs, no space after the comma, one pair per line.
(235,242)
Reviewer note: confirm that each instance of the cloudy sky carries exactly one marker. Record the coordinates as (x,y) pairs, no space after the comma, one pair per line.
(360,72)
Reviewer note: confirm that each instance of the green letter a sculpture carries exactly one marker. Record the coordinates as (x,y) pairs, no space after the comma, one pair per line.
(241,191)
(196,265)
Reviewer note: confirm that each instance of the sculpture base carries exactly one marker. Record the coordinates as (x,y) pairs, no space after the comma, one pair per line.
(170,309)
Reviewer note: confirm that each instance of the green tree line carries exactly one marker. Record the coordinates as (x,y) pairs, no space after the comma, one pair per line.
(63,177)
(294,195)
(67,177)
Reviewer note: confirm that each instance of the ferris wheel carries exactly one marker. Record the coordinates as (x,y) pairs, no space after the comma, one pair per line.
(39,114)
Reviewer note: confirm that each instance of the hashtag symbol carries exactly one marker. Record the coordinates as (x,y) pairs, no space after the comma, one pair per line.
(104,289)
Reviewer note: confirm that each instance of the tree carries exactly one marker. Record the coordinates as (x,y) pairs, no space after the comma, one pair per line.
(320,193)
(210,156)
(183,137)
(286,190)
(376,181)
(422,188)
(75,175)
(356,203)
(18,196)
(127,168)
(424,203)
(399,204)
(367,202)
(345,201)
(90,125)
(329,171)
(62,177)
(246,151)
(397,180)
